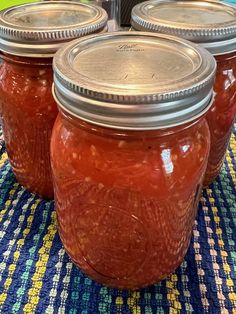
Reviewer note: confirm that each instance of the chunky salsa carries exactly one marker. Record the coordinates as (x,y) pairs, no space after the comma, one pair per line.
(28,112)
(222,113)
(126,200)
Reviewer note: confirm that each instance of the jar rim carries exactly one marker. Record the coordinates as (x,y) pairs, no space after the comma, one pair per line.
(66,110)
(39,29)
(191,20)
(134,80)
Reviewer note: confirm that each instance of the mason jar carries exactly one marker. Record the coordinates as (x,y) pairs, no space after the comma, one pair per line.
(129,151)
(112,7)
(29,36)
(213,25)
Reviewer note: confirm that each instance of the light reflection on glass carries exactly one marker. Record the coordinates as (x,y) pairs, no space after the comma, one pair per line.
(231,78)
(185,148)
(166,158)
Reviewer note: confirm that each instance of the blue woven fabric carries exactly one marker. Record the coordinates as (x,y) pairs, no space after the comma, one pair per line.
(36,275)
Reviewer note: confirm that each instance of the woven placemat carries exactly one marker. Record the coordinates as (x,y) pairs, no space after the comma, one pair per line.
(36,275)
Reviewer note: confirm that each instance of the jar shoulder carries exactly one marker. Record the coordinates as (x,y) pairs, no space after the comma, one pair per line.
(168,160)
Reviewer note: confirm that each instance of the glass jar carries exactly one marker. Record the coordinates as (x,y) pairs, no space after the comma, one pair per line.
(112,7)
(213,25)
(221,116)
(129,151)
(27,108)
(28,112)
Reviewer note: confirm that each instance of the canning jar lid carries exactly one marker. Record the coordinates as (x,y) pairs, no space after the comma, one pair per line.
(39,29)
(210,23)
(133,80)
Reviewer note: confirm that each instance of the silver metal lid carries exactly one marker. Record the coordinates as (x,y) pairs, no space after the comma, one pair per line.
(133,80)
(211,23)
(39,29)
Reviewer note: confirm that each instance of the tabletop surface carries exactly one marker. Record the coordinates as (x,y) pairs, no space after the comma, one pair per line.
(36,275)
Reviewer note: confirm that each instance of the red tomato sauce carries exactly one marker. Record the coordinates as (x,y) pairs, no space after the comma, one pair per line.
(221,116)
(127,200)
(28,112)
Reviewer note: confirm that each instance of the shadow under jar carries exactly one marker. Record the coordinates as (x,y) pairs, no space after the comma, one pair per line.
(213,25)
(28,41)
(129,150)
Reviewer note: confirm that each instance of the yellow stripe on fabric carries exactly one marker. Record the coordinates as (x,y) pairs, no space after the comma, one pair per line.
(4,227)
(172,294)
(133,302)
(198,258)
(56,281)
(186,283)
(12,267)
(224,255)
(40,268)
(119,303)
(229,160)
(3,159)
(8,202)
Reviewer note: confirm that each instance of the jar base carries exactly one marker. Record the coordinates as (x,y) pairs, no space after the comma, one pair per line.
(45,193)
(128,287)
(114,282)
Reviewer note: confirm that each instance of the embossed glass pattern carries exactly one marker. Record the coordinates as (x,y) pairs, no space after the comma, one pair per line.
(129,151)
(126,201)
